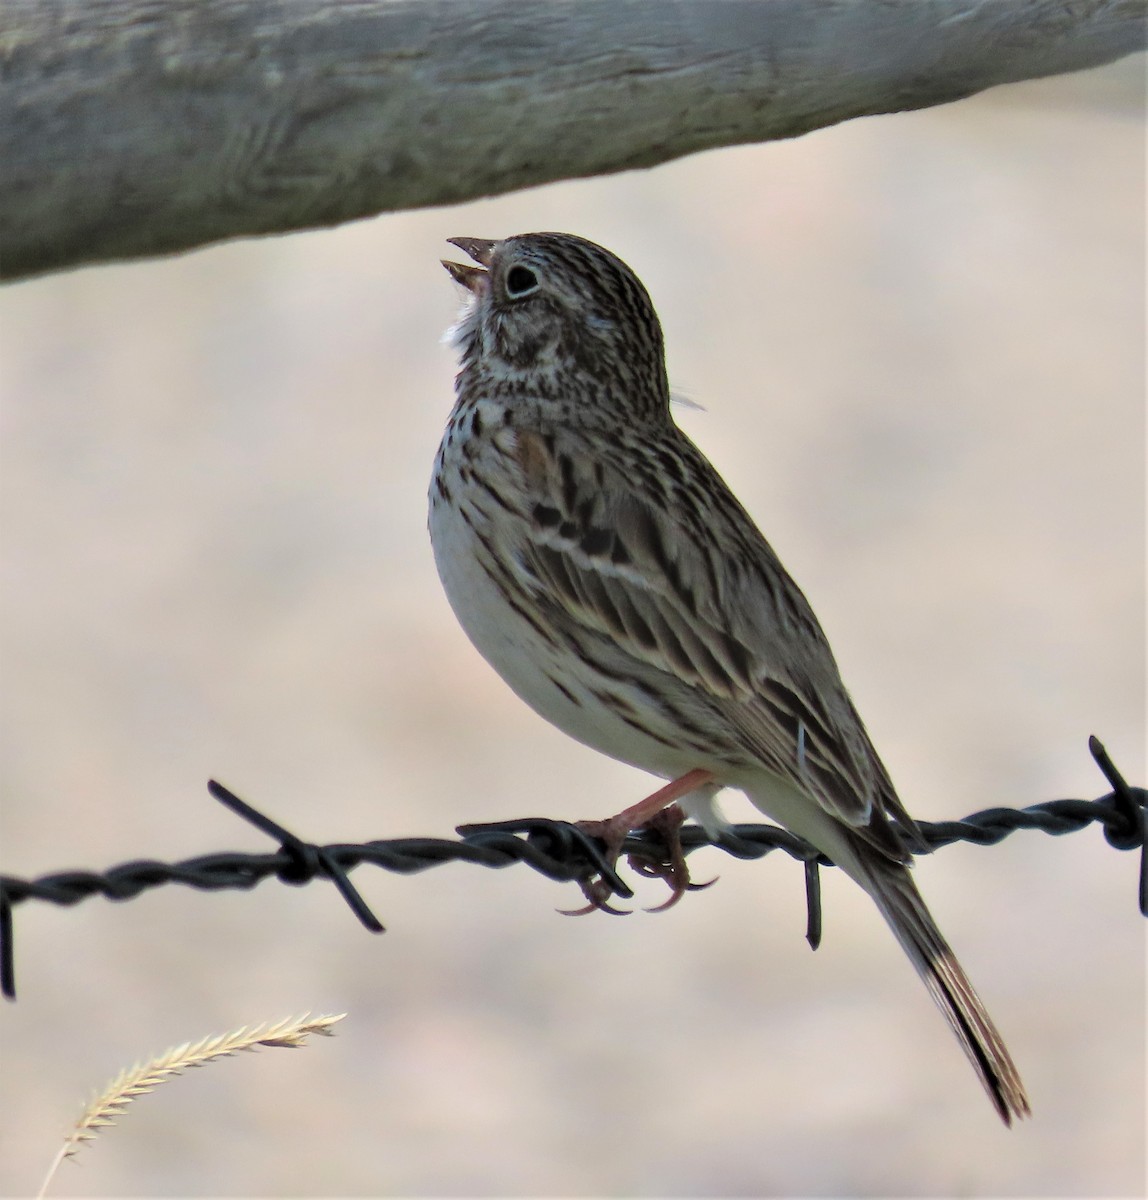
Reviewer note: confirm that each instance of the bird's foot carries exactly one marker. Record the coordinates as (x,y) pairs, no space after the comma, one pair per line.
(661,815)
(671,866)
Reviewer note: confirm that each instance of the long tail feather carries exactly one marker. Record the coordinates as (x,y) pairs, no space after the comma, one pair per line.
(900,903)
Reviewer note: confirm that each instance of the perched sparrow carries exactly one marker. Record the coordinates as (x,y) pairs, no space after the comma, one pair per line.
(605,570)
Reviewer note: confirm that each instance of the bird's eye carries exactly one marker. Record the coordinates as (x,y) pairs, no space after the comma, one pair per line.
(520,281)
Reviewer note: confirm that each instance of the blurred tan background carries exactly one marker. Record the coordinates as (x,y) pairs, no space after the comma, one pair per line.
(920,344)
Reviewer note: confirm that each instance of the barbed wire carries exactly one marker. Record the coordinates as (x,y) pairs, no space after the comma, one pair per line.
(559,850)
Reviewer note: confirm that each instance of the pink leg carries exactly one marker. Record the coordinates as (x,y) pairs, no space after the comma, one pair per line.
(641,813)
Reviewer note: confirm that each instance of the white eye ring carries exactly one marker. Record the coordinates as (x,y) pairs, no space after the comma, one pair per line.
(520,281)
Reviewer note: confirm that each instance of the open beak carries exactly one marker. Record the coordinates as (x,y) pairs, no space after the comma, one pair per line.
(480,249)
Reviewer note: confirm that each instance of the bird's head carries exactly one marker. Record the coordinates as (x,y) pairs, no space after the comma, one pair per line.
(556,316)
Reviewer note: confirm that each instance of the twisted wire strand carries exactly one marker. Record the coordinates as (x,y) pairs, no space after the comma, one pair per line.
(559,850)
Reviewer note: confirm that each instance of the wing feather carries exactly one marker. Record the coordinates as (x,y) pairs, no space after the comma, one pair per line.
(747,643)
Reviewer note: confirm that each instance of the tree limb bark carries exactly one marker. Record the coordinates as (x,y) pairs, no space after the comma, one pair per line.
(141,127)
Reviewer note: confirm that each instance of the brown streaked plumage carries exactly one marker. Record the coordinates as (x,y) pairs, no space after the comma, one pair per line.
(602,566)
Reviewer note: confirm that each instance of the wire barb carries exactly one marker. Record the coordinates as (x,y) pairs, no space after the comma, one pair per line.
(1130,802)
(558,850)
(813,902)
(306,861)
(7,953)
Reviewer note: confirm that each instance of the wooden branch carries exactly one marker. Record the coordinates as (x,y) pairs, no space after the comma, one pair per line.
(140,127)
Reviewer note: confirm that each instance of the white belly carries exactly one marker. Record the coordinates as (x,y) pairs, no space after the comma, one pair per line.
(537,669)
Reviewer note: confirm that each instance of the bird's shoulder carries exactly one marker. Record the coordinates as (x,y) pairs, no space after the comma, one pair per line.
(648,509)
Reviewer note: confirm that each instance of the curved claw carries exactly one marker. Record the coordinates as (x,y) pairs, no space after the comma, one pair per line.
(597,894)
(678,886)
(594,906)
(675,895)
